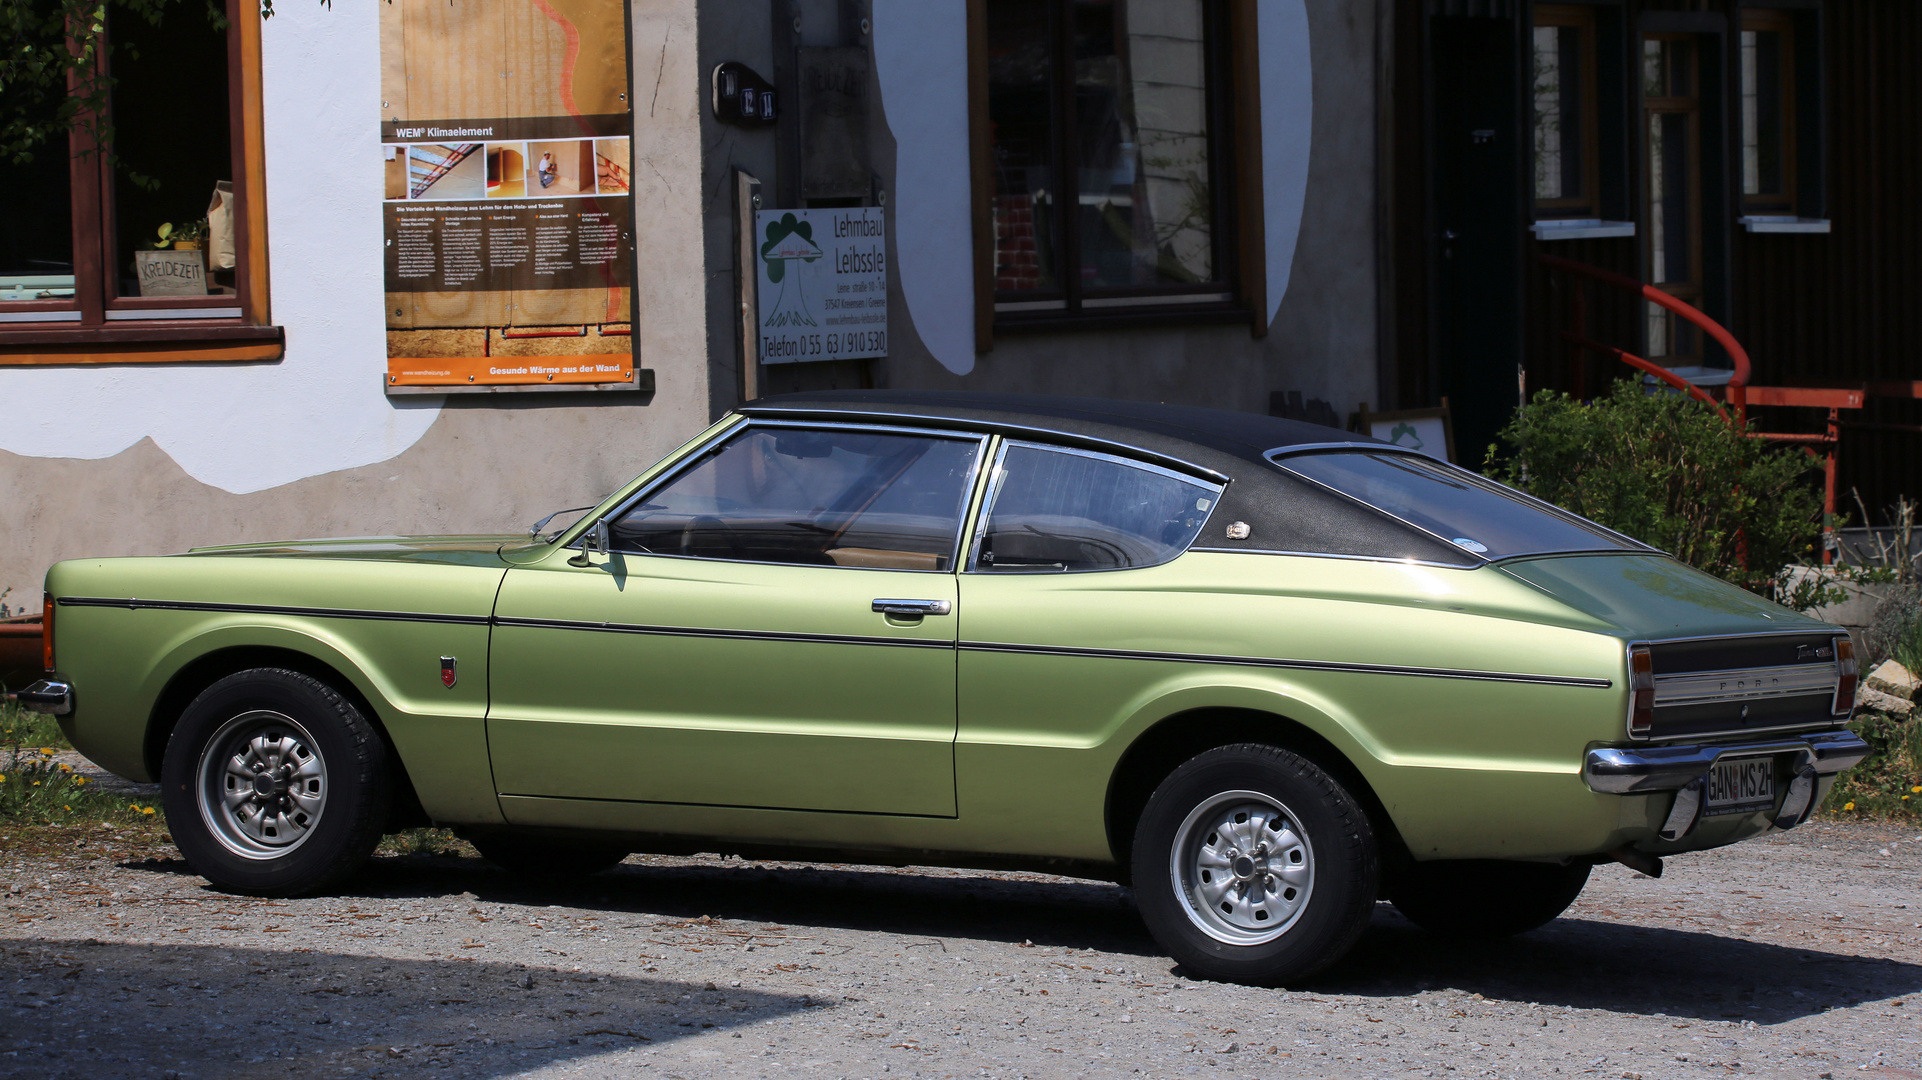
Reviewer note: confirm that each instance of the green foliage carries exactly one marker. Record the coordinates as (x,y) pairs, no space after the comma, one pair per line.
(24,727)
(47,46)
(1669,471)
(1888,783)
(38,789)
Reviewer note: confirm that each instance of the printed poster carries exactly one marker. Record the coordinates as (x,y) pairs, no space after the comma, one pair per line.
(823,284)
(509,224)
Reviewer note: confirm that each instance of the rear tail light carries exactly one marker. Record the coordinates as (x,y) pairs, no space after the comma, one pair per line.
(47,633)
(1641,691)
(1844,676)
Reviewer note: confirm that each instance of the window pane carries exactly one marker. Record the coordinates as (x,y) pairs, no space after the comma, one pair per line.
(1558,112)
(1055,510)
(1021,126)
(1141,143)
(171,127)
(1762,112)
(36,231)
(1670,202)
(822,498)
(1475,514)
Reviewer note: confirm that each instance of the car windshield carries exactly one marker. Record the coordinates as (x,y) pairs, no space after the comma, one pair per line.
(1466,510)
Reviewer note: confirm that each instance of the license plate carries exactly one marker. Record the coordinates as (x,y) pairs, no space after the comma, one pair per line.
(1742,786)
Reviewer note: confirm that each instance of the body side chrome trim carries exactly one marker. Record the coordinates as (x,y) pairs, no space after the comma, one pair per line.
(133,604)
(1296,665)
(715,632)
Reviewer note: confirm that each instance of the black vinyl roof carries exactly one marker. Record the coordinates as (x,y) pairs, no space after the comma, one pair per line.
(1283,513)
(1199,436)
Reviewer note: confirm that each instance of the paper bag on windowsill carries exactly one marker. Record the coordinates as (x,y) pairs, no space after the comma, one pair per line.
(220,227)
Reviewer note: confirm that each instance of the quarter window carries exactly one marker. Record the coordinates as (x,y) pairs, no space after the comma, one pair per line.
(1474,514)
(814,497)
(1057,510)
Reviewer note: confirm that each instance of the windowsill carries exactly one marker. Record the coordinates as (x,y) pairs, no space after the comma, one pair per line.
(1769,223)
(144,341)
(1580,229)
(1057,320)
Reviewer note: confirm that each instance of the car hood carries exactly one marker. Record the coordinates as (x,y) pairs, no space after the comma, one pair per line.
(482,550)
(1654,596)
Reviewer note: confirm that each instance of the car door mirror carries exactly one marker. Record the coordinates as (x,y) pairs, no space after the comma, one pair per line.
(594,539)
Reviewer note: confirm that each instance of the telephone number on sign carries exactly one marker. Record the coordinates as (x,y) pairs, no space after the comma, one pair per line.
(802,346)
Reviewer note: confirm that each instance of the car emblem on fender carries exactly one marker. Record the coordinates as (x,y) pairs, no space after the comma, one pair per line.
(448,674)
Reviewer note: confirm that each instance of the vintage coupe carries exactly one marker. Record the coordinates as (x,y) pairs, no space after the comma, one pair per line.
(1264,671)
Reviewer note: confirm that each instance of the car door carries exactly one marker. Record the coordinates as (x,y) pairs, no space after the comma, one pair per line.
(1071,607)
(774,626)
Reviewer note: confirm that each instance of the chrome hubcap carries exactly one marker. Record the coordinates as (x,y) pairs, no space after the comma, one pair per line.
(1242,867)
(262,785)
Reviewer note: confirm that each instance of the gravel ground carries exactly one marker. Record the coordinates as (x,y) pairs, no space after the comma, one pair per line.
(1795,956)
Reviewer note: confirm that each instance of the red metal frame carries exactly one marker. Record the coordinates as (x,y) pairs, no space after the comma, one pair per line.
(1738,393)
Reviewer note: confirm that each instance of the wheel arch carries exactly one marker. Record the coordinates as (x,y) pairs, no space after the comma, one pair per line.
(1176,738)
(197,675)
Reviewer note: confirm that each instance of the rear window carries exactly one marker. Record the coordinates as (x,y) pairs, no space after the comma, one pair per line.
(1472,513)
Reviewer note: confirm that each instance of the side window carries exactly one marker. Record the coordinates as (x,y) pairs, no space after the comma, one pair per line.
(820,497)
(1058,510)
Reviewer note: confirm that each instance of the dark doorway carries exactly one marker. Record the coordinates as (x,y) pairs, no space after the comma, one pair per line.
(1478,224)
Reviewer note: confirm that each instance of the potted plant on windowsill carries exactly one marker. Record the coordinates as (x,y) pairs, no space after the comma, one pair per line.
(175,266)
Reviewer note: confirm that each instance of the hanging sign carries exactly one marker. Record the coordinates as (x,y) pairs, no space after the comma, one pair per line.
(505,139)
(823,284)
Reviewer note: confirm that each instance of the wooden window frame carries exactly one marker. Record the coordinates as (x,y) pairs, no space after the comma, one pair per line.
(1589,203)
(98,327)
(1235,166)
(1785,201)
(1694,289)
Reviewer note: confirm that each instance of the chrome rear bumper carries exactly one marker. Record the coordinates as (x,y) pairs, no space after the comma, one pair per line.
(1644,769)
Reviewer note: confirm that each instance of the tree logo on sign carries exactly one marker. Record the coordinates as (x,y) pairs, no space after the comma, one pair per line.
(789,239)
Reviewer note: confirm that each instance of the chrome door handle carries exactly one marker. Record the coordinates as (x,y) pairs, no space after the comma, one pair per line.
(913,608)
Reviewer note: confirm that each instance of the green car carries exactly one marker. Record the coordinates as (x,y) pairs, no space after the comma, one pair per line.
(1265,672)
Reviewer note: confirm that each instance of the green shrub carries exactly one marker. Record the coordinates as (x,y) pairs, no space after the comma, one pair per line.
(1668,471)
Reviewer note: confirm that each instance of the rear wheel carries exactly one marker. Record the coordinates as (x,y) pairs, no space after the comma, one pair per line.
(1252,864)
(1486,898)
(274,784)
(542,857)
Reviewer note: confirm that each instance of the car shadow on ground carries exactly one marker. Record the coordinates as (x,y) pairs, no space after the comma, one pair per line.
(93,1009)
(1571,963)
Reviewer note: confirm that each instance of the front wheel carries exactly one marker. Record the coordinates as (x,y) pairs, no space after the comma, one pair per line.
(274,784)
(1252,864)
(1486,898)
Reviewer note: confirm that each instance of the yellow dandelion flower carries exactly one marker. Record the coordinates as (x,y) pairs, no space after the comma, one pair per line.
(79,780)
(66,768)
(1916,790)
(36,783)
(1848,806)
(3,778)
(48,751)
(146,809)
(66,808)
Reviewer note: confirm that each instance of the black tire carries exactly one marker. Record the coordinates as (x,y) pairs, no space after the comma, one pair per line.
(271,845)
(541,857)
(1319,827)
(1486,898)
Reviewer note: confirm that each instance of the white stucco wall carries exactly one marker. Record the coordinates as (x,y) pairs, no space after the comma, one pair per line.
(247,427)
